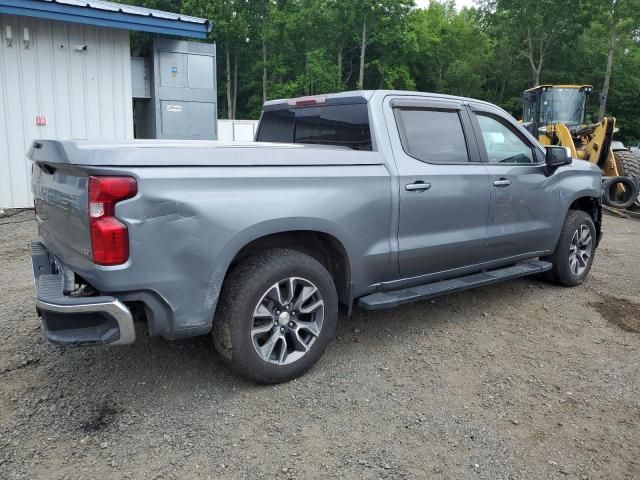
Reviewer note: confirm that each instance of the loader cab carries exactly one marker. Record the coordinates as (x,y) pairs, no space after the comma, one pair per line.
(549,104)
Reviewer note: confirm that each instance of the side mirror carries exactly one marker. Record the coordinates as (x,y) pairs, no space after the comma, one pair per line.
(557,156)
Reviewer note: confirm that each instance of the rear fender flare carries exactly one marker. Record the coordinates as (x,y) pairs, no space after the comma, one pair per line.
(254,232)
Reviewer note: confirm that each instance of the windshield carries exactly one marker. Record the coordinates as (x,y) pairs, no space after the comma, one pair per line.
(563,105)
(341,125)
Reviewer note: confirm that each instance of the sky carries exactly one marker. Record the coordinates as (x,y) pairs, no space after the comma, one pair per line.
(459,3)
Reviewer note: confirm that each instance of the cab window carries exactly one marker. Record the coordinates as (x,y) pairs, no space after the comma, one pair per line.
(502,143)
(432,135)
(340,125)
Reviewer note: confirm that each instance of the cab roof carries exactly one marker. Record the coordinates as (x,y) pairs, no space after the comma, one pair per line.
(359,96)
(548,86)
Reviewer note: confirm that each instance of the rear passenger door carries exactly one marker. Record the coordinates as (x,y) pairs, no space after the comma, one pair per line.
(444,191)
(524,200)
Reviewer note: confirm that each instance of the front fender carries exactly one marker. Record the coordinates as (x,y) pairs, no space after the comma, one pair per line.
(581,180)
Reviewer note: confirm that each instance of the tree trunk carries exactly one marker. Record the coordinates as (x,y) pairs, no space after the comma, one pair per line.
(307,86)
(235,84)
(535,69)
(363,49)
(340,67)
(502,88)
(229,105)
(264,71)
(607,79)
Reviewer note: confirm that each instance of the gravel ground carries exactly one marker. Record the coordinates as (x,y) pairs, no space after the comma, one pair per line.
(519,380)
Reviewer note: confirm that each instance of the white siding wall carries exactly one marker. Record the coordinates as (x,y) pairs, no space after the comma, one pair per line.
(83,94)
(240,130)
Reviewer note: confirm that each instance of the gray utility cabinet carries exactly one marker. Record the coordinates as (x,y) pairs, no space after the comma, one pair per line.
(183,92)
(140,78)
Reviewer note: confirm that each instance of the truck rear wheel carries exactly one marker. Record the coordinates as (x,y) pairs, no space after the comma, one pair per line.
(276,315)
(576,247)
(630,163)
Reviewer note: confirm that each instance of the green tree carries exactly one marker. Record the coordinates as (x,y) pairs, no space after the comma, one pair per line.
(616,21)
(536,27)
(234,24)
(379,23)
(453,54)
(287,48)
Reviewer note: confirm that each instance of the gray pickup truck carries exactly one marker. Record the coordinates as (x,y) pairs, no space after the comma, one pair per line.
(372,198)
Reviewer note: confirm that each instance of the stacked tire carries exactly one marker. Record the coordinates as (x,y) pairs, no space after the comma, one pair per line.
(629,163)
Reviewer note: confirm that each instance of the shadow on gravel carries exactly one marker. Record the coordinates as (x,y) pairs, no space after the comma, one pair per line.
(619,311)
(95,390)
(157,371)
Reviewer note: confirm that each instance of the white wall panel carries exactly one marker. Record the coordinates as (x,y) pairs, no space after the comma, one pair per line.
(83,94)
(241,130)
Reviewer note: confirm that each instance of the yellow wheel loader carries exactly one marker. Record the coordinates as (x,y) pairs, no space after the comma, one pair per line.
(555,115)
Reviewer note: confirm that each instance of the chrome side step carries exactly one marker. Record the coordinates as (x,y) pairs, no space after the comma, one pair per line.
(383,300)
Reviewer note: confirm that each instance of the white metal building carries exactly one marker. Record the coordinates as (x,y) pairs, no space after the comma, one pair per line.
(65,72)
(240,130)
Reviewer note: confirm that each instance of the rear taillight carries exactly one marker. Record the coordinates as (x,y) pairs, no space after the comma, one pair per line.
(109,236)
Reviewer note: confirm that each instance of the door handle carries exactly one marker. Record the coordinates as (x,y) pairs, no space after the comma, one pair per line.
(503,182)
(418,186)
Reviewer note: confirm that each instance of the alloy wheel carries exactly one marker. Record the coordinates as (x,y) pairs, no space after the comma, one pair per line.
(580,250)
(287,321)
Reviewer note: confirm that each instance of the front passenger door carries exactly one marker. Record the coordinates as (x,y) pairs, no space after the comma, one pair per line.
(524,200)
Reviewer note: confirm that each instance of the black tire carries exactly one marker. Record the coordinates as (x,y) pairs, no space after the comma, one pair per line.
(612,198)
(245,288)
(562,271)
(630,163)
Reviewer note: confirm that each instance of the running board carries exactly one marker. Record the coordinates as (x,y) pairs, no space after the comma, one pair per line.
(382,300)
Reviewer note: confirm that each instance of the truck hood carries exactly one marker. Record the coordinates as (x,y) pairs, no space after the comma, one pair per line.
(153,153)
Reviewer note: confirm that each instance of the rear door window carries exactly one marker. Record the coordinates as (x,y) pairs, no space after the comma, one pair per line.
(432,135)
(340,125)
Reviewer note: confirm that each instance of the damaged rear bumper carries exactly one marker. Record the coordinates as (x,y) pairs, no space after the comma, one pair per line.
(67,320)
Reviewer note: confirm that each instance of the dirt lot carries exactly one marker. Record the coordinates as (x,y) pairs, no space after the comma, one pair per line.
(520,380)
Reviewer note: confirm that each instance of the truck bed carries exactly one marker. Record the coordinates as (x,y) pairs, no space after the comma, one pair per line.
(165,153)
(197,204)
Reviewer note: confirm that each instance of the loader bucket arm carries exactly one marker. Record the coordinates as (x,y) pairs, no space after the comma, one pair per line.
(603,153)
(564,138)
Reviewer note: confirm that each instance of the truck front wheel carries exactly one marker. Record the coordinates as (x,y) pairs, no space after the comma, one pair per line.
(276,315)
(573,256)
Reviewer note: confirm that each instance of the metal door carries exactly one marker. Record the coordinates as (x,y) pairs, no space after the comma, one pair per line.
(524,200)
(444,193)
(184,91)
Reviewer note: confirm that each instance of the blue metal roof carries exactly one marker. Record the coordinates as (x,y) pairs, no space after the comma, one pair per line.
(107,14)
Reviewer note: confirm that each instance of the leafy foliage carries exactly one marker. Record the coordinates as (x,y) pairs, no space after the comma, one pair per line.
(494,51)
